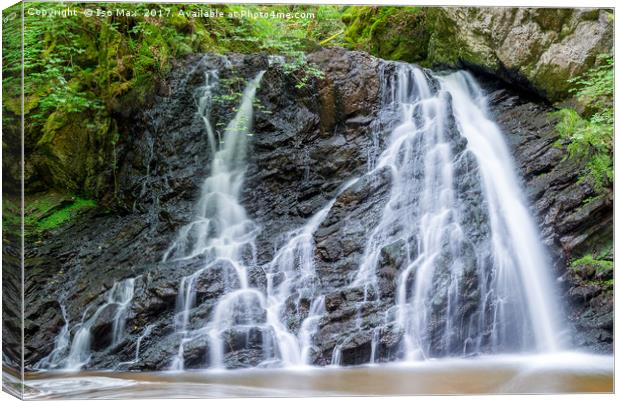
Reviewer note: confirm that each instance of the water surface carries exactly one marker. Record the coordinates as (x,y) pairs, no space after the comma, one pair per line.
(500,374)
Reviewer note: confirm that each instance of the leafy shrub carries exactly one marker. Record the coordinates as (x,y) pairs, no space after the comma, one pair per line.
(589,136)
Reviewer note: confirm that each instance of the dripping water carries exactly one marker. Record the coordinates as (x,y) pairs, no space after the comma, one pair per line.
(145,333)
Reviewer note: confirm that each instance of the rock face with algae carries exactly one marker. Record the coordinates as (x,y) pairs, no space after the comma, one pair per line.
(539,49)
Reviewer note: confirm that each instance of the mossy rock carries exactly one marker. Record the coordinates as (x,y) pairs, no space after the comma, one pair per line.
(74,150)
(47,211)
(448,47)
(11,214)
(553,19)
(392,33)
(548,47)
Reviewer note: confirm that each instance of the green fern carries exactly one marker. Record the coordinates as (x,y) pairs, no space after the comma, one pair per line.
(589,137)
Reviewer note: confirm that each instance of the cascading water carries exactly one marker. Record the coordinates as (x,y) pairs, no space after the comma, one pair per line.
(518,255)
(462,289)
(61,345)
(147,332)
(119,296)
(79,348)
(293,268)
(222,233)
(474,276)
(475,273)
(292,275)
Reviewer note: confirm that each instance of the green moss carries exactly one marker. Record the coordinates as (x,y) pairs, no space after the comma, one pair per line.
(11,216)
(553,19)
(595,269)
(553,82)
(65,214)
(393,33)
(605,284)
(589,260)
(415,34)
(442,47)
(447,48)
(51,210)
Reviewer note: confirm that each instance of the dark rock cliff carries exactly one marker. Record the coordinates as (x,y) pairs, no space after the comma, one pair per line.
(307,143)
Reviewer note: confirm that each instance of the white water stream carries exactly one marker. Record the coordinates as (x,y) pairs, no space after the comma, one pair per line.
(510,308)
(515,306)
(222,232)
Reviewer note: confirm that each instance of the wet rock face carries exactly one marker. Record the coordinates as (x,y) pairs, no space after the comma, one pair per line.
(11,298)
(314,140)
(573,219)
(306,144)
(540,48)
(341,238)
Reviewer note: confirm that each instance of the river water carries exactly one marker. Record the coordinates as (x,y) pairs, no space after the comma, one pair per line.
(498,374)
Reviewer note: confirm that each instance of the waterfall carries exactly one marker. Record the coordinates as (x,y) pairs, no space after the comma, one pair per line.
(79,348)
(475,279)
(119,296)
(61,344)
(136,359)
(309,327)
(293,268)
(292,275)
(518,254)
(221,232)
(222,228)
